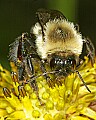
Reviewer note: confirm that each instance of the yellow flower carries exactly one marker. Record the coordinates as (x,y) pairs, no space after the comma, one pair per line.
(69,101)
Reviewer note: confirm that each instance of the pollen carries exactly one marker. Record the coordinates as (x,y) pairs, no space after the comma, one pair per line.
(36,114)
(49,105)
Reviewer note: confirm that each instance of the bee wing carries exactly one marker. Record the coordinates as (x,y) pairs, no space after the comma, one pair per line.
(45,15)
(21,45)
(13,48)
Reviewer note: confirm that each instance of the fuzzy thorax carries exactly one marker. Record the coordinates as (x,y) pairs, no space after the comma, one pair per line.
(57,35)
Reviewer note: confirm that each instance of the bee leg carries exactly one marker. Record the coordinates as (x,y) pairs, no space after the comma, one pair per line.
(34,85)
(19,75)
(90,49)
(48,79)
(83,81)
(20,79)
(30,71)
(21,71)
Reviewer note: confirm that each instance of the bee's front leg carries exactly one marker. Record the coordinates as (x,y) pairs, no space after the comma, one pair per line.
(46,76)
(31,75)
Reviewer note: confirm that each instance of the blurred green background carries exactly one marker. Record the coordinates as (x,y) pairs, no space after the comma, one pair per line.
(17,16)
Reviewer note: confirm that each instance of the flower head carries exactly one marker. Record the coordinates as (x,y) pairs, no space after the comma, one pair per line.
(70,101)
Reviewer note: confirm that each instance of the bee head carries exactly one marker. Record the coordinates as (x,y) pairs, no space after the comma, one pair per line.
(64,63)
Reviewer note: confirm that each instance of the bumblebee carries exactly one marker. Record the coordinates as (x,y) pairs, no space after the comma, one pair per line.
(53,41)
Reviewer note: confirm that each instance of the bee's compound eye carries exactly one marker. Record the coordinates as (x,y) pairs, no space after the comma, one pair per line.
(52,63)
(71,61)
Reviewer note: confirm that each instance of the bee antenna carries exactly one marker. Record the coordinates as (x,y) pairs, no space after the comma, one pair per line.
(82,80)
